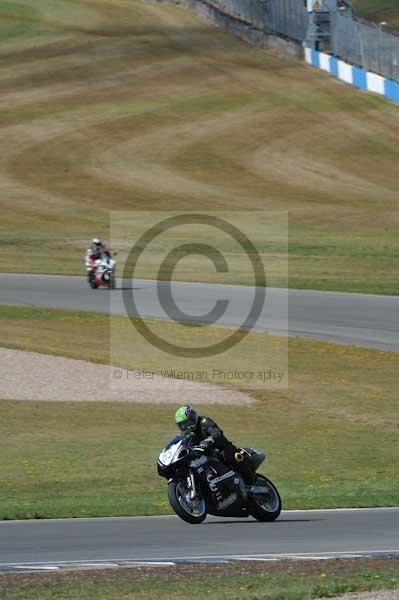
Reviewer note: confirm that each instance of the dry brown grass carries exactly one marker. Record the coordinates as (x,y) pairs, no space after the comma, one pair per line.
(137,105)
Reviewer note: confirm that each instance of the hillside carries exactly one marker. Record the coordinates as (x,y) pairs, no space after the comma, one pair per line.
(379,11)
(126,104)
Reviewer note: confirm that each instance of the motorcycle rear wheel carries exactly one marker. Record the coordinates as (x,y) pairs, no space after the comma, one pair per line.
(176,495)
(265,507)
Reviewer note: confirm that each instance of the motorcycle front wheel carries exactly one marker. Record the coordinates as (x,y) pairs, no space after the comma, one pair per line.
(91,280)
(266,506)
(191,511)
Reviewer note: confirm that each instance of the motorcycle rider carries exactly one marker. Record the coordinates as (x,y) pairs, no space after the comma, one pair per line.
(95,252)
(208,436)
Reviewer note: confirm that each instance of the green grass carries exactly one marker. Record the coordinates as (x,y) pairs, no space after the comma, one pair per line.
(331,438)
(379,11)
(122,105)
(325,581)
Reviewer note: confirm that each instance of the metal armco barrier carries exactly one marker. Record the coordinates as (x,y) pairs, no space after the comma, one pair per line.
(285,17)
(353,40)
(365,45)
(288,18)
(252,12)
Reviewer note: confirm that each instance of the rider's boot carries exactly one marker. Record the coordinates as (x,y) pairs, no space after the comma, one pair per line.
(243,464)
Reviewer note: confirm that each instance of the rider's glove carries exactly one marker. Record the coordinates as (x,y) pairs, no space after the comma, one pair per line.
(207,444)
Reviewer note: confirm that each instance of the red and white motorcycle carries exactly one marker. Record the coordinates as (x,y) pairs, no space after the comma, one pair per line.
(101,272)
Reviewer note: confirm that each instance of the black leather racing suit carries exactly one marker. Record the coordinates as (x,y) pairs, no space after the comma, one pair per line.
(209,436)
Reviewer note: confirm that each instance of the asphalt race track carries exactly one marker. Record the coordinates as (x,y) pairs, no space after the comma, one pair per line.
(307,534)
(359,319)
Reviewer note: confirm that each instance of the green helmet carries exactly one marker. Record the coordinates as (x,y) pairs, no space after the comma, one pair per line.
(186,419)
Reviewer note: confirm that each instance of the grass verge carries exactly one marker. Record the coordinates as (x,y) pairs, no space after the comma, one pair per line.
(331,438)
(281,581)
(379,11)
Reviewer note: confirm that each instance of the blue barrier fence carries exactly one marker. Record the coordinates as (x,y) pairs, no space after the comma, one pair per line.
(360,78)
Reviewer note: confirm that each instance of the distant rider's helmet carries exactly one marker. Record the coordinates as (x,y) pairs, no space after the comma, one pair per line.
(96,244)
(186,419)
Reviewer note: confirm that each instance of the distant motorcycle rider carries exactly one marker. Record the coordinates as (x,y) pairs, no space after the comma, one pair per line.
(96,251)
(208,436)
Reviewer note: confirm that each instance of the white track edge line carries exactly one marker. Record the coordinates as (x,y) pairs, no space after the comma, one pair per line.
(247,556)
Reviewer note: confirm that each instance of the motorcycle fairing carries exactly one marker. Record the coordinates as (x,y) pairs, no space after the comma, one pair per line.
(221,485)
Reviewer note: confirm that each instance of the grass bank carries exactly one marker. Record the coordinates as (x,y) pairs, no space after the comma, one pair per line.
(141,106)
(331,438)
(379,11)
(281,581)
